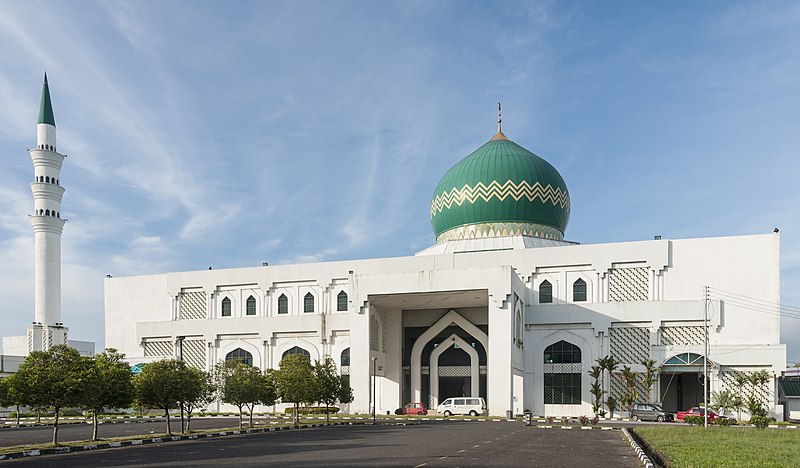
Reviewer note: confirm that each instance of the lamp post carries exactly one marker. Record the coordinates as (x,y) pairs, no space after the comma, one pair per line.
(374,401)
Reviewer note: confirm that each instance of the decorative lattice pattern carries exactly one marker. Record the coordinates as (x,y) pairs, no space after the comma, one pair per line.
(192,306)
(562,368)
(628,284)
(467,194)
(630,345)
(764,393)
(454,371)
(426,318)
(158,348)
(194,353)
(373,332)
(619,390)
(682,336)
(345,370)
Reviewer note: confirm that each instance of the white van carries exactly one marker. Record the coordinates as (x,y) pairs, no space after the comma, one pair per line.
(462,405)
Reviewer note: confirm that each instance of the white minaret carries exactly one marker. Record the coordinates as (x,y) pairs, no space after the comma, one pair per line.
(47,329)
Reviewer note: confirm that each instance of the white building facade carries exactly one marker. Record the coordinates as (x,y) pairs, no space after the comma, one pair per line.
(500,307)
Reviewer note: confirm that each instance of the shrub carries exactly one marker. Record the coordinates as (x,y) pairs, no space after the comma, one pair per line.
(583,420)
(723,422)
(313,410)
(564,420)
(549,419)
(694,420)
(761,422)
(595,420)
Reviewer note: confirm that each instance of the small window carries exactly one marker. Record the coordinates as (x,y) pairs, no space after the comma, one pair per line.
(240,355)
(308,303)
(251,305)
(579,290)
(341,302)
(226,307)
(283,304)
(47,179)
(47,212)
(345,360)
(545,292)
(296,350)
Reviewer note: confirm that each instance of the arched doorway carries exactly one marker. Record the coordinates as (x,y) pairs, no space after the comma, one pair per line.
(682,381)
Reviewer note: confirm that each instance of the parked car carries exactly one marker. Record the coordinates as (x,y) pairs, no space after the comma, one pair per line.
(699,411)
(412,408)
(463,405)
(650,412)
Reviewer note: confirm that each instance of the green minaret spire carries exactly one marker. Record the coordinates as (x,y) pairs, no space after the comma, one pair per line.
(46,107)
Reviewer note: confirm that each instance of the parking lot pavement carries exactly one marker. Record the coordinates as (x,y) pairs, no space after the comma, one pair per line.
(427,444)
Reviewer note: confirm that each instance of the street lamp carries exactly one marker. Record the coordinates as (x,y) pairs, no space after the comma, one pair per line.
(374,401)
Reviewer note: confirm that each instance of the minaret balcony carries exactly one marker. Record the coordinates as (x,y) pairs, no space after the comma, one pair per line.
(47,191)
(41,157)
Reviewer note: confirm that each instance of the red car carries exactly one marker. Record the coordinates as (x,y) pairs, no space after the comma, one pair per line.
(412,408)
(697,411)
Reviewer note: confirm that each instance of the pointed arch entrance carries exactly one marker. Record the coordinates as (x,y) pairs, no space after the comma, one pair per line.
(682,382)
(453,344)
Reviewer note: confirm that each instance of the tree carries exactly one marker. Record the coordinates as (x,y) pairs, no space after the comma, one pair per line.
(245,387)
(741,380)
(160,385)
(612,405)
(726,399)
(650,376)
(597,390)
(12,393)
(758,381)
(198,391)
(345,391)
(329,383)
(606,364)
(631,380)
(296,383)
(108,384)
(52,379)
(5,394)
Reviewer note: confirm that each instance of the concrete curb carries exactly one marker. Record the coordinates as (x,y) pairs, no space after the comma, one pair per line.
(639,451)
(158,440)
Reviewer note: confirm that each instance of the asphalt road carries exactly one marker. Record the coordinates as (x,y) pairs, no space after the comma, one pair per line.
(70,432)
(431,444)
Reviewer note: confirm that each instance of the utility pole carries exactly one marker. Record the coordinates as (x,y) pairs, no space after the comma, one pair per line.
(374,399)
(705,359)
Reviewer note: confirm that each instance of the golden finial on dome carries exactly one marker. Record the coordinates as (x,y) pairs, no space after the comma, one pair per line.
(499,135)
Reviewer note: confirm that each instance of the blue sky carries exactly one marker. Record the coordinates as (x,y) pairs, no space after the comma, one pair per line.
(232,133)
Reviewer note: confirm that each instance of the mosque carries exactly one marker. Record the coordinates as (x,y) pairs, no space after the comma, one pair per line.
(501,306)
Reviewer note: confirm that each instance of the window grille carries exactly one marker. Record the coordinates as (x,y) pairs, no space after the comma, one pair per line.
(251,305)
(545,292)
(562,374)
(579,290)
(308,303)
(341,302)
(283,304)
(226,307)
(296,350)
(240,355)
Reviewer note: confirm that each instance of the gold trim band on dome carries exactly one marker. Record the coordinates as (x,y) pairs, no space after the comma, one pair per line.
(484,230)
(470,195)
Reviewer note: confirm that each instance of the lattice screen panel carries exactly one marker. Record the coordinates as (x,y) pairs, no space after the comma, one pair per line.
(682,335)
(194,353)
(765,393)
(158,348)
(619,390)
(562,368)
(373,333)
(192,306)
(426,318)
(628,284)
(345,370)
(454,371)
(630,345)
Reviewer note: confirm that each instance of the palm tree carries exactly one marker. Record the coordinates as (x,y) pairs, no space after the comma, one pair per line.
(650,376)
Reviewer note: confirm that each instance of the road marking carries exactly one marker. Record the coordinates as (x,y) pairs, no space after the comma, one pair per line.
(442,458)
(421,464)
(461,451)
(476,446)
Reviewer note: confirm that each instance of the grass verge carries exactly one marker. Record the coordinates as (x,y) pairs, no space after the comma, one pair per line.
(689,446)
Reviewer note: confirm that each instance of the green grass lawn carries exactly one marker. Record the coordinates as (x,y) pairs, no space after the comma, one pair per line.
(689,446)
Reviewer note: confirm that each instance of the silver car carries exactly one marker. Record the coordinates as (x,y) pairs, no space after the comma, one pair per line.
(650,412)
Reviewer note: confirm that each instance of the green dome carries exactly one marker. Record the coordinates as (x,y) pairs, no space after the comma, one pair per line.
(501,189)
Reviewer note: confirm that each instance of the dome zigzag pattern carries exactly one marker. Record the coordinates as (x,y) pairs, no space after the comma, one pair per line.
(501,192)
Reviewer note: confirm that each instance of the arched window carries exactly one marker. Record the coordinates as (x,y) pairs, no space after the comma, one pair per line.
(47,179)
(283,304)
(308,303)
(47,212)
(251,305)
(240,355)
(296,350)
(226,307)
(562,374)
(545,292)
(341,302)
(58,214)
(579,290)
(344,362)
